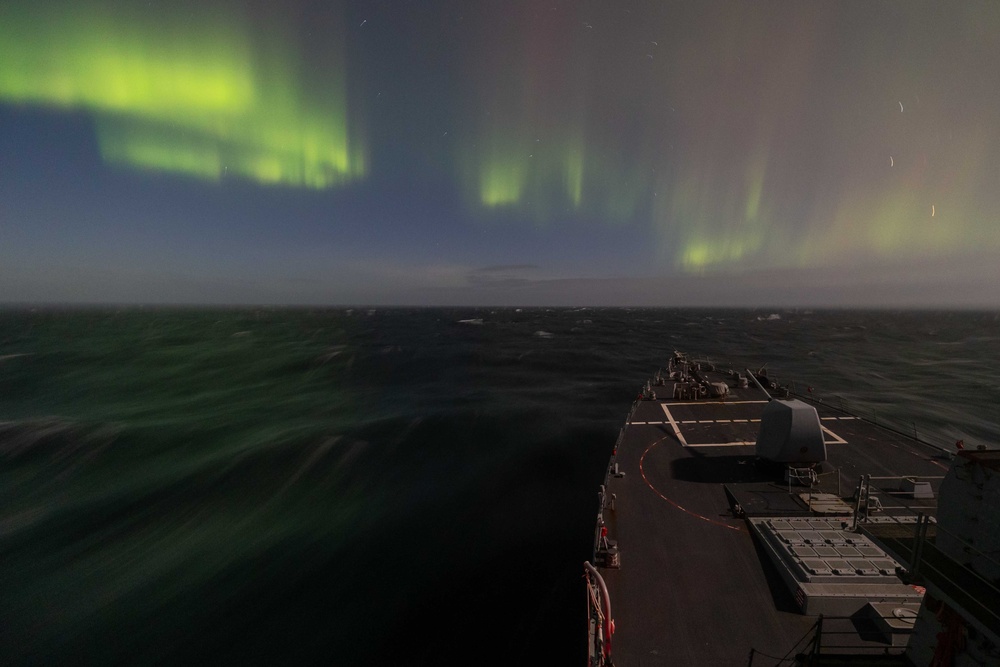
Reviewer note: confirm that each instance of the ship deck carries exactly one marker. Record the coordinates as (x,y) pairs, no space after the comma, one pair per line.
(695,586)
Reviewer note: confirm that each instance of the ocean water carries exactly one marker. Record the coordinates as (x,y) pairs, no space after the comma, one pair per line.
(390,486)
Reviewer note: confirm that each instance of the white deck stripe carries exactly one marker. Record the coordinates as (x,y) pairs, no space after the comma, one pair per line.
(715,421)
(677,430)
(715,403)
(837,440)
(744,443)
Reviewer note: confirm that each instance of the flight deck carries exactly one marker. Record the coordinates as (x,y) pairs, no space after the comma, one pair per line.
(711,553)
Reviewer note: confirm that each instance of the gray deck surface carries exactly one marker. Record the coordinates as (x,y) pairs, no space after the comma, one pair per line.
(693,587)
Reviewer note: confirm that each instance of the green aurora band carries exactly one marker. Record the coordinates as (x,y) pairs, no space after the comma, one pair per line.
(756,138)
(532,147)
(740,143)
(201,91)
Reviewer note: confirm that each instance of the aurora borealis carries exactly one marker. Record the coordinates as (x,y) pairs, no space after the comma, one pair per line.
(660,153)
(191,88)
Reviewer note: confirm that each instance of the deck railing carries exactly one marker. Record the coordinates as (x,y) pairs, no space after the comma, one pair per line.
(905,534)
(826,638)
(907,428)
(599,621)
(599,624)
(602,495)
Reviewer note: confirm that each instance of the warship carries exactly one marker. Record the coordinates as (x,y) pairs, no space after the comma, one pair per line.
(744,522)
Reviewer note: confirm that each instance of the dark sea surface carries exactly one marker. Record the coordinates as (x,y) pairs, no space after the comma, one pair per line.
(390,486)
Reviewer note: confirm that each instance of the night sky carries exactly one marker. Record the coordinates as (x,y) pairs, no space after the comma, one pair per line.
(786,153)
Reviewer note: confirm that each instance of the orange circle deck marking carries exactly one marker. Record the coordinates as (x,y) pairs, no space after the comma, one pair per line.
(642,472)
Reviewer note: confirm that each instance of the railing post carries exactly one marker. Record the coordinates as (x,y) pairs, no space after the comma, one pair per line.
(818,640)
(860,493)
(918,545)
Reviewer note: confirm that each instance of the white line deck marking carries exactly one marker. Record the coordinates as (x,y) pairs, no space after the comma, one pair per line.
(716,421)
(837,440)
(677,430)
(834,438)
(715,403)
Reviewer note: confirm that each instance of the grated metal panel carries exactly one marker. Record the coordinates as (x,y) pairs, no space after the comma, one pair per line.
(840,567)
(886,566)
(832,571)
(864,568)
(816,566)
(833,537)
(790,537)
(817,554)
(848,552)
(811,536)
